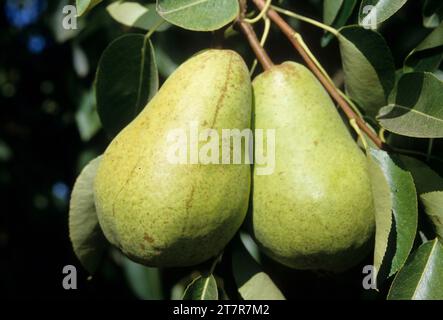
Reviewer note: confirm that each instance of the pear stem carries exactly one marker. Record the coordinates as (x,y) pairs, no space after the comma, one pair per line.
(250,34)
(294,37)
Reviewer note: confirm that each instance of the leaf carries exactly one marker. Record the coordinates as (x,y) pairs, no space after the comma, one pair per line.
(127,78)
(418,108)
(133,14)
(84,230)
(198,15)
(383,211)
(341,16)
(428,55)
(432,13)
(84,6)
(422,276)
(426,180)
(86,117)
(145,282)
(331,10)
(381,10)
(430,189)
(202,288)
(402,217)
(252,282)
(368,66)
(433,203)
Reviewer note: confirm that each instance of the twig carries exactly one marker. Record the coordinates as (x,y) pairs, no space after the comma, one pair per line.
(293,37)
(250,34)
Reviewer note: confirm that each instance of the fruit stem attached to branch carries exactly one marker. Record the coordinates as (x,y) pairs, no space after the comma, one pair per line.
(250,34)
(293,37)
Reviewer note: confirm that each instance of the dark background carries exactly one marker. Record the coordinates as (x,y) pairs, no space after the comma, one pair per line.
(49,131)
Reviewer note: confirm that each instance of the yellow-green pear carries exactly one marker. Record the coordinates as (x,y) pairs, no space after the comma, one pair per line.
(165,213)
(315,210)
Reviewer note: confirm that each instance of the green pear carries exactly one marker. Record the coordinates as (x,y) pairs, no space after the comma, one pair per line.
(166,214)
(315,210)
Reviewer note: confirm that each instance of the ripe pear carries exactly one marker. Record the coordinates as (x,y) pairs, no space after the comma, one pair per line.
(315,211)
(166,214)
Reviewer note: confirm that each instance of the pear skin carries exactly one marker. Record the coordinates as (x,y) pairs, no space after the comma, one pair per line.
(165,214)
(315,211)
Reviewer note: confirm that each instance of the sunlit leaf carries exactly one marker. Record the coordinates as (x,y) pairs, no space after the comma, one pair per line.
(418,108)
(198,15)
(253,283)
(378,10)
(402,217)
(422,276)
(84,6)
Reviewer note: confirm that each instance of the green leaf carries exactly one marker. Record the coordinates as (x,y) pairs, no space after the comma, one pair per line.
(396,213)
(382,10)
(433,203)
(145,282)
(127,78)
(430,189)
(383,211)
(86,117)
(198,15)
(418,108)
(331,10)
(428,55)
(368,66)
(202,288)
(252,282)
(84,6)
(84,230)
(432,13)
(336,19)
(422,276)
(426,180)
(133,14)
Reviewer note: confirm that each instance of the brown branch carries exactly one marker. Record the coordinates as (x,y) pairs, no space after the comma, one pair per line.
(250,34)
(290,34)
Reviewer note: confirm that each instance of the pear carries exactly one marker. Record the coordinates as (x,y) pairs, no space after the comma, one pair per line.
(315,211)
(167,214)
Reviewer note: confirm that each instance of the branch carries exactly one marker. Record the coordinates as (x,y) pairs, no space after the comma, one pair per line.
(291,34)
(250,34)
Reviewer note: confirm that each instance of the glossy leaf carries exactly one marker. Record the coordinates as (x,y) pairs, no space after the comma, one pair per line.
(418,108)
(202,288)
(133,14)
(428,55)
(127,78)
(336,19)
(422,276)
(198,15)
(85,233)
(84,6)
(402,222)
(381,10)
(252,282)
(368,66)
